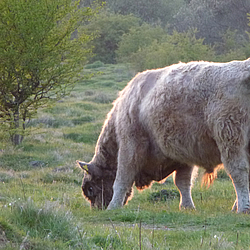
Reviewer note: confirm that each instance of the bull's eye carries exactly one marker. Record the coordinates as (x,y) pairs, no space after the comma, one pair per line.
(90,191)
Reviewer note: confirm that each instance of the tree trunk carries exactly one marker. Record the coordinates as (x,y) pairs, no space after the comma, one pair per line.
(16,137)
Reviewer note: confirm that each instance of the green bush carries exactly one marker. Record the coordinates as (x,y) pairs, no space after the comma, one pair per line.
(108,29)
(231,47)
(177,47)
(137,38)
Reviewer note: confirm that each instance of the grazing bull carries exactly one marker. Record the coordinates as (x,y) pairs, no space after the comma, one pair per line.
(169,120)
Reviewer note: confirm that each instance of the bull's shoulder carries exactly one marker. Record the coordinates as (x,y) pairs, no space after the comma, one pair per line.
(136,90)
(148,80)
(143,82)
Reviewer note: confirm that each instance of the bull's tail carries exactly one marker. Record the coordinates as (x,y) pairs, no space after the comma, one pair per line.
(210,175)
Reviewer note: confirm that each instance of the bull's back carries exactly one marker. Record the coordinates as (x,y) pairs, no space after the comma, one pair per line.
(173,107)
(177,112)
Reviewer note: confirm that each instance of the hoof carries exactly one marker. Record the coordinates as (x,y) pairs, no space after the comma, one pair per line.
(113,207)
(247,211)
(187,207)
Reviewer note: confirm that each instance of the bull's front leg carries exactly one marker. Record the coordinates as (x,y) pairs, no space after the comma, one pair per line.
(120,189)
(125,176)
(183,181)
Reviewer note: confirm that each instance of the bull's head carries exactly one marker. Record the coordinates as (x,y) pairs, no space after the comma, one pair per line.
(97,184)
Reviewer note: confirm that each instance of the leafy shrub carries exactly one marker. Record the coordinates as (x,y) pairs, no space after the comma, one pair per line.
(137,38)
(231,47)
(177,47)
(109,29)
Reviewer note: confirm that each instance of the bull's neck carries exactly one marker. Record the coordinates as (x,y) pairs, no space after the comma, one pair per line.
(106,147)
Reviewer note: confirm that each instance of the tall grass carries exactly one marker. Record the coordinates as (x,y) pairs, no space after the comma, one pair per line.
(41,205)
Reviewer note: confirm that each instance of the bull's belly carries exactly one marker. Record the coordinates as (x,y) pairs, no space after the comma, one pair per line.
(190,149)
(180,130)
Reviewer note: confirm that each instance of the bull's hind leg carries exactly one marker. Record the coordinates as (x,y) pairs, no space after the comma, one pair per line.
(237,166)
(234,208)
(231,135)
(183,181)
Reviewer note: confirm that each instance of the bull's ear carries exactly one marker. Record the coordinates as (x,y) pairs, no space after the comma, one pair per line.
(90,168)
(83,165)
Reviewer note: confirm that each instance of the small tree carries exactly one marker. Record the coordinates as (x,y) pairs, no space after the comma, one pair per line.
(39,57)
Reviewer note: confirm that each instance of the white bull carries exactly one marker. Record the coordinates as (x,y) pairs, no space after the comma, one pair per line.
(168,120)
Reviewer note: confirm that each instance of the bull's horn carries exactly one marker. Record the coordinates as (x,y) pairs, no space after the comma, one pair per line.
(83,165)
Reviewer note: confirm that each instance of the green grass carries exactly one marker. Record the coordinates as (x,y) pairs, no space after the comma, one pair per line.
(41,205)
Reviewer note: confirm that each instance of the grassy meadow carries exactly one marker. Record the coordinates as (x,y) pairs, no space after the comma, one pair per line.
(41,204)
